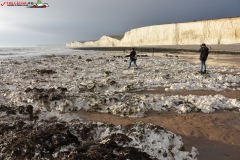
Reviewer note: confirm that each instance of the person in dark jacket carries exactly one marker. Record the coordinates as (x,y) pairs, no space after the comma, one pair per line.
(133,58)
(203,57)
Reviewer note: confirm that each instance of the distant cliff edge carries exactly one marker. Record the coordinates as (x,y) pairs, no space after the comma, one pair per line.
(219,31)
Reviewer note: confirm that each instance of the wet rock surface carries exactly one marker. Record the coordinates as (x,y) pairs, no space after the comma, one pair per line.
(37,104)
(73,84)
(45,71)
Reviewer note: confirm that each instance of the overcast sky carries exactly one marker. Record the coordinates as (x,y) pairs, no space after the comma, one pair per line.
(73,20)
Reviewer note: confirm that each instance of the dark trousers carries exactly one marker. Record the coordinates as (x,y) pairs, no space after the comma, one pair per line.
(134,61)
(203,66)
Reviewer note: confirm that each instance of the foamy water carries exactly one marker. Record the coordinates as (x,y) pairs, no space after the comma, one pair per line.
(11,52)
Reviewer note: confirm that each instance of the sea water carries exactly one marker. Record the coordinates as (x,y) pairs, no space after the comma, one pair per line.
(11,52)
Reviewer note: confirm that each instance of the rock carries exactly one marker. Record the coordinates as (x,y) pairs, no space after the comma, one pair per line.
(3,108)
(142,55)
(107,73)
(29,109)
(55,97)
(91,86)
(45,71)
(110,82)
(63,89)
(90,141)
(28,89)
(11,112)
(43,96)
(59,139)
(89,60)
(110,150)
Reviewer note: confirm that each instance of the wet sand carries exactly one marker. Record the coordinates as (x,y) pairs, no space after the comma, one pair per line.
(215,135)
(212,47)
(213,59)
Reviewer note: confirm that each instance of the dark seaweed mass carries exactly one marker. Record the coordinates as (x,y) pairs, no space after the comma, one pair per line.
(77,141)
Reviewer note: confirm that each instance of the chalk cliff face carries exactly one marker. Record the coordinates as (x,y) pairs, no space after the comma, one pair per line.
(220,31)
(106,41)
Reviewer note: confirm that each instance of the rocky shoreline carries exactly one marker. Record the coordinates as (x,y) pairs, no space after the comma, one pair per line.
(94,140)
(40,95)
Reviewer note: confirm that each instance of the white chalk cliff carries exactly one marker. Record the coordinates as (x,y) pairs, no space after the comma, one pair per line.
(219,31)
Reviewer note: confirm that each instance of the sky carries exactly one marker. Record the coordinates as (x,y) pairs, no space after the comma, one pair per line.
(80,20)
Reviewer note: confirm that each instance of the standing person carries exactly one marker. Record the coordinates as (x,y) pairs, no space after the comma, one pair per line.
(133,58)
(203,57)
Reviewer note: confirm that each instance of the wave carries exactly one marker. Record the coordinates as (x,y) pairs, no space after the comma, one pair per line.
(35,51)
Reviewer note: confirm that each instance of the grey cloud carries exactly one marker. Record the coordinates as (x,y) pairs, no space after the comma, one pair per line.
(90,19)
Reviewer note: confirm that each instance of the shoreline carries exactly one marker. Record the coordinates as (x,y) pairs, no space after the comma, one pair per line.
(233,49)
(197,129)
(61,84)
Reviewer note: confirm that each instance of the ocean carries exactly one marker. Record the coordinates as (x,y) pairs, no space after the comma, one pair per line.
(11,52)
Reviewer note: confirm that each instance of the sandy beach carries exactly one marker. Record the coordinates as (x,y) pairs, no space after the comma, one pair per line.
(167,91)
(215,135)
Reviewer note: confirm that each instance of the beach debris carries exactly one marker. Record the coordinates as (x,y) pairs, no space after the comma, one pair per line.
(107,73)
(89,60)
(45,71)
(38,104)
(92,140)
(68,90)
